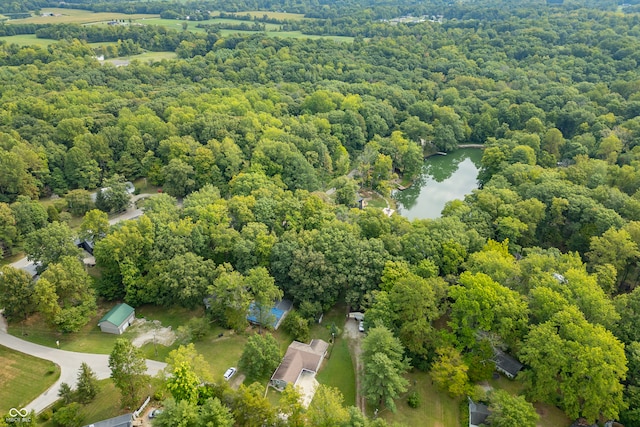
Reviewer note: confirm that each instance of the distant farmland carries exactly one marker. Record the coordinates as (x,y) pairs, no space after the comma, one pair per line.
(75,16)
(68,16)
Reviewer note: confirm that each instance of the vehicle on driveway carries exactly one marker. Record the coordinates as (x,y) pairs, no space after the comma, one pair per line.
(154,413)
(361,326)
(229,373)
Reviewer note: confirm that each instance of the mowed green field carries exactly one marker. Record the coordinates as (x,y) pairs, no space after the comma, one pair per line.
(32,40)
(27,40)
(68,16)
(338,372)
(27,375)
(436,408)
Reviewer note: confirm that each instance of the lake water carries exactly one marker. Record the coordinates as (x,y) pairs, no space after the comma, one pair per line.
(443,178)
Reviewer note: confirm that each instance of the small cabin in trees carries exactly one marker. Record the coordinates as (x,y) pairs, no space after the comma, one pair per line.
(506,364)
(118,319)
(478,413)
(119,421)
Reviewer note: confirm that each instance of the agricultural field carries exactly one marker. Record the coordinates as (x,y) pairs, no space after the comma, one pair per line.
(27,40)
(75,16)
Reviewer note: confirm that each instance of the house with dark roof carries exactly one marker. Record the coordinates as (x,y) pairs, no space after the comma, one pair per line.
(478,413)
(118,319)
(121,421)
(299,358)
(506,364)
(582,422)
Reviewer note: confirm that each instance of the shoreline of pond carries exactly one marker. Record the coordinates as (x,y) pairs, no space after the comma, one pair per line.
(401,187)
(436,172)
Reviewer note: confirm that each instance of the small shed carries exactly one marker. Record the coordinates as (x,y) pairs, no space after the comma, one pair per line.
(118,319)
(120,421)
(506,364)
(478,413)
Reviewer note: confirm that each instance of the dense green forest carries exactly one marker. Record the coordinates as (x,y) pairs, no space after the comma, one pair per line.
(250,132)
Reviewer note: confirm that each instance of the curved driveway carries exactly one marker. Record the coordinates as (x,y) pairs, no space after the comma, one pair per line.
(68,361)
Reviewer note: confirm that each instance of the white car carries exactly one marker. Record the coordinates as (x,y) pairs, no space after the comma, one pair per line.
(361,326)
(229,373)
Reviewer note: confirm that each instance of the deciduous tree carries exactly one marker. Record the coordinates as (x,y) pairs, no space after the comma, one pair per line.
(65,295)
(508,411)
(384,364)
(261,356)
(326,409)
(50,244)
(16,293)
(128,371)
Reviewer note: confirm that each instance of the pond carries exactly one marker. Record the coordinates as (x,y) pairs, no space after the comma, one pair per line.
(443,178)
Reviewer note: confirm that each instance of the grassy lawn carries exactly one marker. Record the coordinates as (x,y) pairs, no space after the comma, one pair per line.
(169,316)
(436,408)
(337,371)
(142,184)
(221,352)
(106,405)
(376,202)
(91,340)
(88,340)
(337,315)
(76,16)
(27,375)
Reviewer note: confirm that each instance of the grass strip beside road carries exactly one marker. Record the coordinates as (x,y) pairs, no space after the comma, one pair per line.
(23,378)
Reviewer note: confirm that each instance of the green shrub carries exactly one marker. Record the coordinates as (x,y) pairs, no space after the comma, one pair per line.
(414,400)
(45,415)
(296,326)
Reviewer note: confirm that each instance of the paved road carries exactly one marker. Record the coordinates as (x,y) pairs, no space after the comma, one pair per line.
(69,362)
(130,213)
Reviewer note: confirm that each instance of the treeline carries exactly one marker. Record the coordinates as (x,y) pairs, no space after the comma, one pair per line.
(150,37)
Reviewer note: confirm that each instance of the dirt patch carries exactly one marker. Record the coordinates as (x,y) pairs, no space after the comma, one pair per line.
(152,332)
(236,380)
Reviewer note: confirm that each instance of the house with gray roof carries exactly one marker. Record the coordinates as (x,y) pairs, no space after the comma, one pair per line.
(121,421)
(118,319)
(478,413)
(506,364)
(299,358)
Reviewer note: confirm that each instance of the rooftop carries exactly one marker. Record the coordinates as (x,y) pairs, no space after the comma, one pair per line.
(117,314)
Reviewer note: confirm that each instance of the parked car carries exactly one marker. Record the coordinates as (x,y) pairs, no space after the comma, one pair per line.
(361,326)
(229,373)
(154,413)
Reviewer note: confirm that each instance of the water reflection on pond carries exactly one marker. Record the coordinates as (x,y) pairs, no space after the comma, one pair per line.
(443,178)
